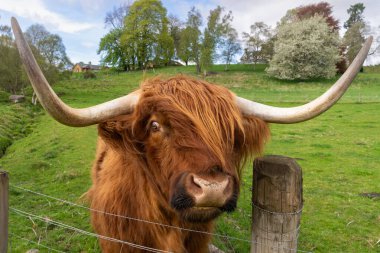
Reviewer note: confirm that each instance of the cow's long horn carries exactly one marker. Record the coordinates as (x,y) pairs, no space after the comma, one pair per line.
(313,108)
(58,109)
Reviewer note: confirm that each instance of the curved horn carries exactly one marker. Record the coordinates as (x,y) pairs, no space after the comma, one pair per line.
(313,108)
(58,109)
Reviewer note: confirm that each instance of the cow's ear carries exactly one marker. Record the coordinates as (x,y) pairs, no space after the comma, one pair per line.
(256,134)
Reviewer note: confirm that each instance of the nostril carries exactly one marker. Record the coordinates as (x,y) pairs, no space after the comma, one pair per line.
(211,191)
(195,182)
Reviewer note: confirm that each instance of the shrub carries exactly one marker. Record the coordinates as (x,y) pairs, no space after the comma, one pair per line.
(89,75)
(305,49)
(4,96)
(4,144)
(66,75)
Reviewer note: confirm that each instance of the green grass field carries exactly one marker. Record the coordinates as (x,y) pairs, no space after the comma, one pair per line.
(338,151)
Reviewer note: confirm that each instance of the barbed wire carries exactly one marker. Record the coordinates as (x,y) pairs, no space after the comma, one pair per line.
(44,219)
(296,231)
(130,218)
(145,221)
(279,213)
(34,242)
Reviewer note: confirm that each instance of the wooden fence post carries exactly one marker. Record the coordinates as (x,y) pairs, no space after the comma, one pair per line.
(276,205)
(4,185)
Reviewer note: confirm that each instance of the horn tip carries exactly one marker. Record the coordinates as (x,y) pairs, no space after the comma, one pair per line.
(13,20)
(14,23)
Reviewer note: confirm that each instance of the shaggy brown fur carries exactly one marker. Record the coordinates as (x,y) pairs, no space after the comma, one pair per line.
(137,166)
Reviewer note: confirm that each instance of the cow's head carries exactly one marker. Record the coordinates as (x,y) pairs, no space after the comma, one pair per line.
(195,133)
(192,137)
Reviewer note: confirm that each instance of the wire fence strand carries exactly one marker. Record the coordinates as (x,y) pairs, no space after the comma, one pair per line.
(27,215)
(36,243)
(129,218)
(255,206)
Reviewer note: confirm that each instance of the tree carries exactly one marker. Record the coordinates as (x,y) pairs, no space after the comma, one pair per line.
(175,27)
(354,36)
(11,72)
(49,51)
(165,47)
(54,51)
(184,47)
(50,46)
(36,34)
(115,18)
(230,46)
(11,77)
(353,39)
(356,15)
(290,17)
(190,43)
(212,36)
(110,48)
(323,9)
(267,49)
(305,49)
(5,35)
(259,35)
(145,35)
(112,53)
(47,48)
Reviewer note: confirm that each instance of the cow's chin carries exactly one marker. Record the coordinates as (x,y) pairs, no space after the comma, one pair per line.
(200,214)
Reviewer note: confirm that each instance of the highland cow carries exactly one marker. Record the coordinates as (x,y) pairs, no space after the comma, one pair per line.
(169,155)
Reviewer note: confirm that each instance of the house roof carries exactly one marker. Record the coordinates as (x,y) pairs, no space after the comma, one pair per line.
(89,66)
(93,67)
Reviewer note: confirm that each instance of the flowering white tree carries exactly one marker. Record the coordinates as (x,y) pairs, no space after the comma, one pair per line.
(305,49)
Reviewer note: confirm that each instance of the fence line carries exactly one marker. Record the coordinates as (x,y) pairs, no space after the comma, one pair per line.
(34,242)
(130,218)
(126,217)
(26,214)
(278,213)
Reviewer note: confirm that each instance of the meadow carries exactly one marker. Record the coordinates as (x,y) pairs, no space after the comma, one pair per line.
(339,153)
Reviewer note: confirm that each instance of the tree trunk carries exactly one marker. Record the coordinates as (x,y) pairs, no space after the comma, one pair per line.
(198,68)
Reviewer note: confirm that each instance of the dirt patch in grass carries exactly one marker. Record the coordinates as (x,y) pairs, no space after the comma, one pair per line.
(371,195)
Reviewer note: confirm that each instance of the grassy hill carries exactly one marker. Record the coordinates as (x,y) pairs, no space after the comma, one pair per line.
(338,151)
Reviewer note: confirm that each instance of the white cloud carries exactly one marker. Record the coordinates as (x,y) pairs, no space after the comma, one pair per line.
(88,44)
(89,6)
(37,11)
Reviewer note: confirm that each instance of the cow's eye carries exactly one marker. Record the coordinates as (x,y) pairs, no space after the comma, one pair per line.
(155,126)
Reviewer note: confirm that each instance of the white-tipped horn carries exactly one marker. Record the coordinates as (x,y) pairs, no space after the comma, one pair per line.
(58,109)
(313,108)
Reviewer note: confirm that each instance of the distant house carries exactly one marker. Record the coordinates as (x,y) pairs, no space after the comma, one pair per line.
(82,67)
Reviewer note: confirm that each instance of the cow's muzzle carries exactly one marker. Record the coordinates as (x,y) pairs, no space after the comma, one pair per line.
(204,195)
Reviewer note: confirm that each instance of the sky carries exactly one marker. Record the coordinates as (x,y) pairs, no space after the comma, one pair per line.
(80,23)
